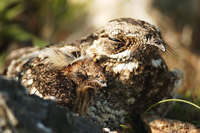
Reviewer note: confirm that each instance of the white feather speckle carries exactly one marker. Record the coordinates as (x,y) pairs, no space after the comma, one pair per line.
(131,35)
(126,66)
(159,124)
(116,32)
(38,94)
(53,98)
(119,68)
(30,81)
(121,55)
(106,129)
(28,71)
(33,90)
(18,68)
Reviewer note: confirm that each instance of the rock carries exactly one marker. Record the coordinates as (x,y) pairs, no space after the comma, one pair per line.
(24,113)
(163,125)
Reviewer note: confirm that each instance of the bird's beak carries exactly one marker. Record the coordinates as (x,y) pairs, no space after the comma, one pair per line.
(102,83)
(157,43)
(162,47)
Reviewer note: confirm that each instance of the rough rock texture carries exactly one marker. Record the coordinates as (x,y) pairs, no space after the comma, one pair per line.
(163,125)
(24,113)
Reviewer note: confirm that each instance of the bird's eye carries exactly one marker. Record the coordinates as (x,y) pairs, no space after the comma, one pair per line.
(97,76)
(148,36)
(102,81)
(157,42)
(114,39)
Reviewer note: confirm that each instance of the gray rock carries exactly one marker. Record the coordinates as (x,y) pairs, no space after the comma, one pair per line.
(24,113)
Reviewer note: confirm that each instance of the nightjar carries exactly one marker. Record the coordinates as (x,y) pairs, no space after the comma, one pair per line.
(72,84)
(125,53)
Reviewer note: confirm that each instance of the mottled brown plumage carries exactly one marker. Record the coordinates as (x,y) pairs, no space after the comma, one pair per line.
(72,86)
(127,51)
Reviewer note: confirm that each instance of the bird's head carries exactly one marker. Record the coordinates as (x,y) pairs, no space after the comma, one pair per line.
(124,38)
(89,78)
(124,45)
(86,74)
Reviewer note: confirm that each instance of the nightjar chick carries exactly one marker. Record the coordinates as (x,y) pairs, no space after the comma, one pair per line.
(72,85)
(125,53)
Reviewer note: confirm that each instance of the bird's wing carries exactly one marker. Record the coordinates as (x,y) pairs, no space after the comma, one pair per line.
(17,58)
(61,56)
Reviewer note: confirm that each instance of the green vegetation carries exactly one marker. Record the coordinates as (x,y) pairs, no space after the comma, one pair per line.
(37,22)
(173,100)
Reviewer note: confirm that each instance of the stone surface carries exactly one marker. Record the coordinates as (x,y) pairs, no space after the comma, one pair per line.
(162,125)
(24,113)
